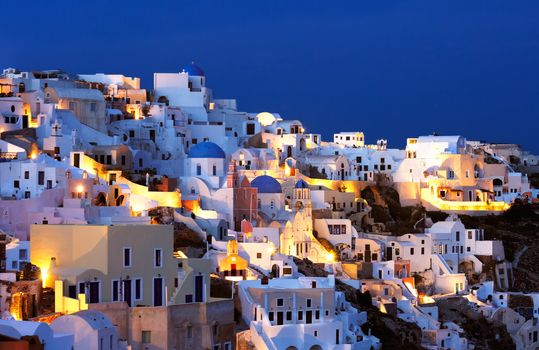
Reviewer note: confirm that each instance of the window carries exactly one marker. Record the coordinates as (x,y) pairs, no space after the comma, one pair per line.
(422,250)
(280,301)
(469,234)
(93,107)
(270,316)
(289,315)
(72,106)
(146,337)
(214,170)
(23,254)
(26,175)
(259,255)
(123,159)
(127,257)
(109,159)
(14,265)
(41,178)
(300,315)
(115,290)
(16,184)
(138,288)
(199,170)
(158,258)
(411,251)
(317,314)
(309,302)
(457,236)
(189,332)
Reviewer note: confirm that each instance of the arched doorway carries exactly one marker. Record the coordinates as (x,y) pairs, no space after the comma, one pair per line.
(289,152)
(275,272)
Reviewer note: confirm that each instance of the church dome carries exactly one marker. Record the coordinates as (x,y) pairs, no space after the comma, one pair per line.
(193,70)
(266,184)
(206,150)
(301,184)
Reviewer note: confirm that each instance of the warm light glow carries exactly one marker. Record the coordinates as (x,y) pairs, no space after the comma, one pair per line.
(33,155)
(80,189)
(44,276)
(330,257)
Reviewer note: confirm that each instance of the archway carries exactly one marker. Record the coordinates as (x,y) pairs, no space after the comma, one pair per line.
(100,200)
(163,99)
(275,272)
(315,347)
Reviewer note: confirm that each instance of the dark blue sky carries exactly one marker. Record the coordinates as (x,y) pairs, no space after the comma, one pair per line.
(393,69)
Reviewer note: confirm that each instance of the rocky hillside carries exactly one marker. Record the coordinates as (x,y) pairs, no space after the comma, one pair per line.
(518,228)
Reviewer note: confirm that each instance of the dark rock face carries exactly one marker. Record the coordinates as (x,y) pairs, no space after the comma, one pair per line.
(479,331)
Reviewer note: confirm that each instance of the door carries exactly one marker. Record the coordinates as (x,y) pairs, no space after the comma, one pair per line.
(158,291)
(233,269)
(280,318)
(250,129)
(309,316)
(93,292)
(199,289)
(25,121)
(389,253)
(127,291)
(368,253)
(76,160)
(152,135)
(289,151)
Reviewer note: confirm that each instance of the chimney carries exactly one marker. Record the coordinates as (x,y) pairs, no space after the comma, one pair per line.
(53,263)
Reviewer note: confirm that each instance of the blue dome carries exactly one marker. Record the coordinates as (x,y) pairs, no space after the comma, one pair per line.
(266,184)
(206,150)
(301,184)
(193,70)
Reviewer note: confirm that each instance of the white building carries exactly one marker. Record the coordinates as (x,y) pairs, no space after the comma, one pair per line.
(304,313)
(91,330)
(350,139)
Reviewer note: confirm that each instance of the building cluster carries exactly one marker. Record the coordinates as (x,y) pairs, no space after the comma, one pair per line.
(99,177)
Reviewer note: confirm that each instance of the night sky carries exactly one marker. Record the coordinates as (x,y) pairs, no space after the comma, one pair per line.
(393,69)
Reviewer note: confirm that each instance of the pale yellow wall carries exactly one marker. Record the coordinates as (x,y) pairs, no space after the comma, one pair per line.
(193,267)
(95,252)
(74,246)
